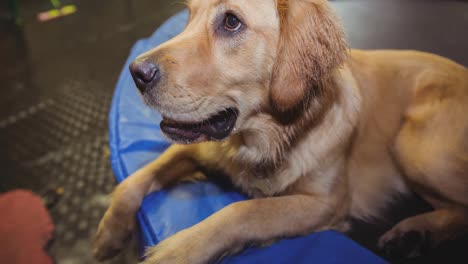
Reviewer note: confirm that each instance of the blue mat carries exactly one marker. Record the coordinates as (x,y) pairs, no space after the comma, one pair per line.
(135,139)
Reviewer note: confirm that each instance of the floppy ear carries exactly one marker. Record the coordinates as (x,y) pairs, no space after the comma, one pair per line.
(311,45)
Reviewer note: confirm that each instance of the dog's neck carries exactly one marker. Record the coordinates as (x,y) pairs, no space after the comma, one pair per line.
(269,136)
(269,144)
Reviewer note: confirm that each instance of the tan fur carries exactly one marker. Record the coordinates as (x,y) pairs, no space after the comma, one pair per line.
(299,73)
(323,134)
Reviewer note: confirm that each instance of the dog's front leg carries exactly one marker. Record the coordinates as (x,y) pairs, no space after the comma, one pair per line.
(231,228)
(118,222)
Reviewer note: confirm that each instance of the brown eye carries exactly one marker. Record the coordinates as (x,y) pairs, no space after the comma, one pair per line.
(232,23)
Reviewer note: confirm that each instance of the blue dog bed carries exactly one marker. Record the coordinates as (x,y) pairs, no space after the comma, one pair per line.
(135,139)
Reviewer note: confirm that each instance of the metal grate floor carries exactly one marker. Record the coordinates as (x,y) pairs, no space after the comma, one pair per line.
(56,84)
(60,141)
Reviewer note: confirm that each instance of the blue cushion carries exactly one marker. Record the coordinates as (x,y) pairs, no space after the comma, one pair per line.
(135,139)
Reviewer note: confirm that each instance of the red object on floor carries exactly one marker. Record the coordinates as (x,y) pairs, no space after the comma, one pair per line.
(25,228)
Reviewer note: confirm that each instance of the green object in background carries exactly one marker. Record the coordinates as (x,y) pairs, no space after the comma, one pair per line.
(55,3)
(56,12)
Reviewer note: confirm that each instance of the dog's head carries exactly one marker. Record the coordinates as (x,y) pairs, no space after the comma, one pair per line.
(235,59)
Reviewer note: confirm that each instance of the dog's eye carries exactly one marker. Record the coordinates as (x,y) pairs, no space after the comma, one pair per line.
(232,23)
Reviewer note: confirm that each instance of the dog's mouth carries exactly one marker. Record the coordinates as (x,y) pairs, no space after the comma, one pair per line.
(217,127)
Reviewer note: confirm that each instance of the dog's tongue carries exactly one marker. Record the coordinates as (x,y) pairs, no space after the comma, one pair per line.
(217,127)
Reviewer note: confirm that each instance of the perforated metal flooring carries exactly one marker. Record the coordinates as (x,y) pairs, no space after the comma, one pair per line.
(60,141)
(56,84)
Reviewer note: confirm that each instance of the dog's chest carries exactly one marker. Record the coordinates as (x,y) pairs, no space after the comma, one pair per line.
(253,178)
(260,180)
(257,181)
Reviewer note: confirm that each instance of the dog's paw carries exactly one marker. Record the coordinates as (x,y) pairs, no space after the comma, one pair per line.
(397,244)
(181,248)
(112,235)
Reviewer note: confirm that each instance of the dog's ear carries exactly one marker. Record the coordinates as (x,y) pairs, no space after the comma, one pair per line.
(311,45)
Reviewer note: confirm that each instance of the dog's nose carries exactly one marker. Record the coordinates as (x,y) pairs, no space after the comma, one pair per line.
(145,74)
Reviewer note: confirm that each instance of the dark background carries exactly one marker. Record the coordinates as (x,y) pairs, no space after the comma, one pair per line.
(57,80)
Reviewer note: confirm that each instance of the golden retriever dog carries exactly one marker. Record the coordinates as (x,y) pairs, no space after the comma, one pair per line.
(315,133)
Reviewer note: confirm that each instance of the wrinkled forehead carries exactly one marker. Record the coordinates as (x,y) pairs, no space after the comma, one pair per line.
(254,12)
